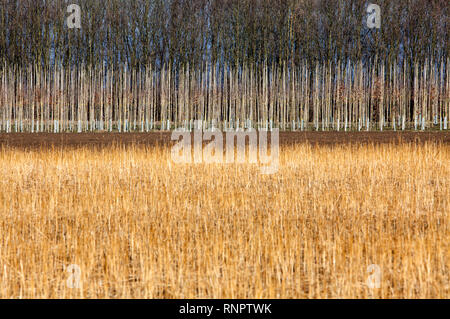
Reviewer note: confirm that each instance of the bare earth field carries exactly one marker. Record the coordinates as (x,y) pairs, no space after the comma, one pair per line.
(347,220)
(163,138)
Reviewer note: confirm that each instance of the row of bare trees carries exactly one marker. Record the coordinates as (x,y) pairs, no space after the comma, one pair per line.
(295,64)
(322,96)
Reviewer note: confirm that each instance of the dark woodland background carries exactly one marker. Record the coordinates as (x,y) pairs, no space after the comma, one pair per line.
(178,32)
(293,64)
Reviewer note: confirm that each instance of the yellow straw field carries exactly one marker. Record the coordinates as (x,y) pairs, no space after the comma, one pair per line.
(126,222)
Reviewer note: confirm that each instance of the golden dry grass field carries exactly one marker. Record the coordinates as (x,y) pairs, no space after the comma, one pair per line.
(139,226)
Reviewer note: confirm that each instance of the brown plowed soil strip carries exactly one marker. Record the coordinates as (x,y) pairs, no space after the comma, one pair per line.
(32,140)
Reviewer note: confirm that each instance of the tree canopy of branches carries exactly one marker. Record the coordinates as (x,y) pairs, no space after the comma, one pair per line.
(232,32)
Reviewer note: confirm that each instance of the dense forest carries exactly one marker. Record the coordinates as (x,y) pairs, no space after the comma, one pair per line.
(293,64)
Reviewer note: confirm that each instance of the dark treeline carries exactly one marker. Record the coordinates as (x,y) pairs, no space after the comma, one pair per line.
(293,64)
(233,32)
